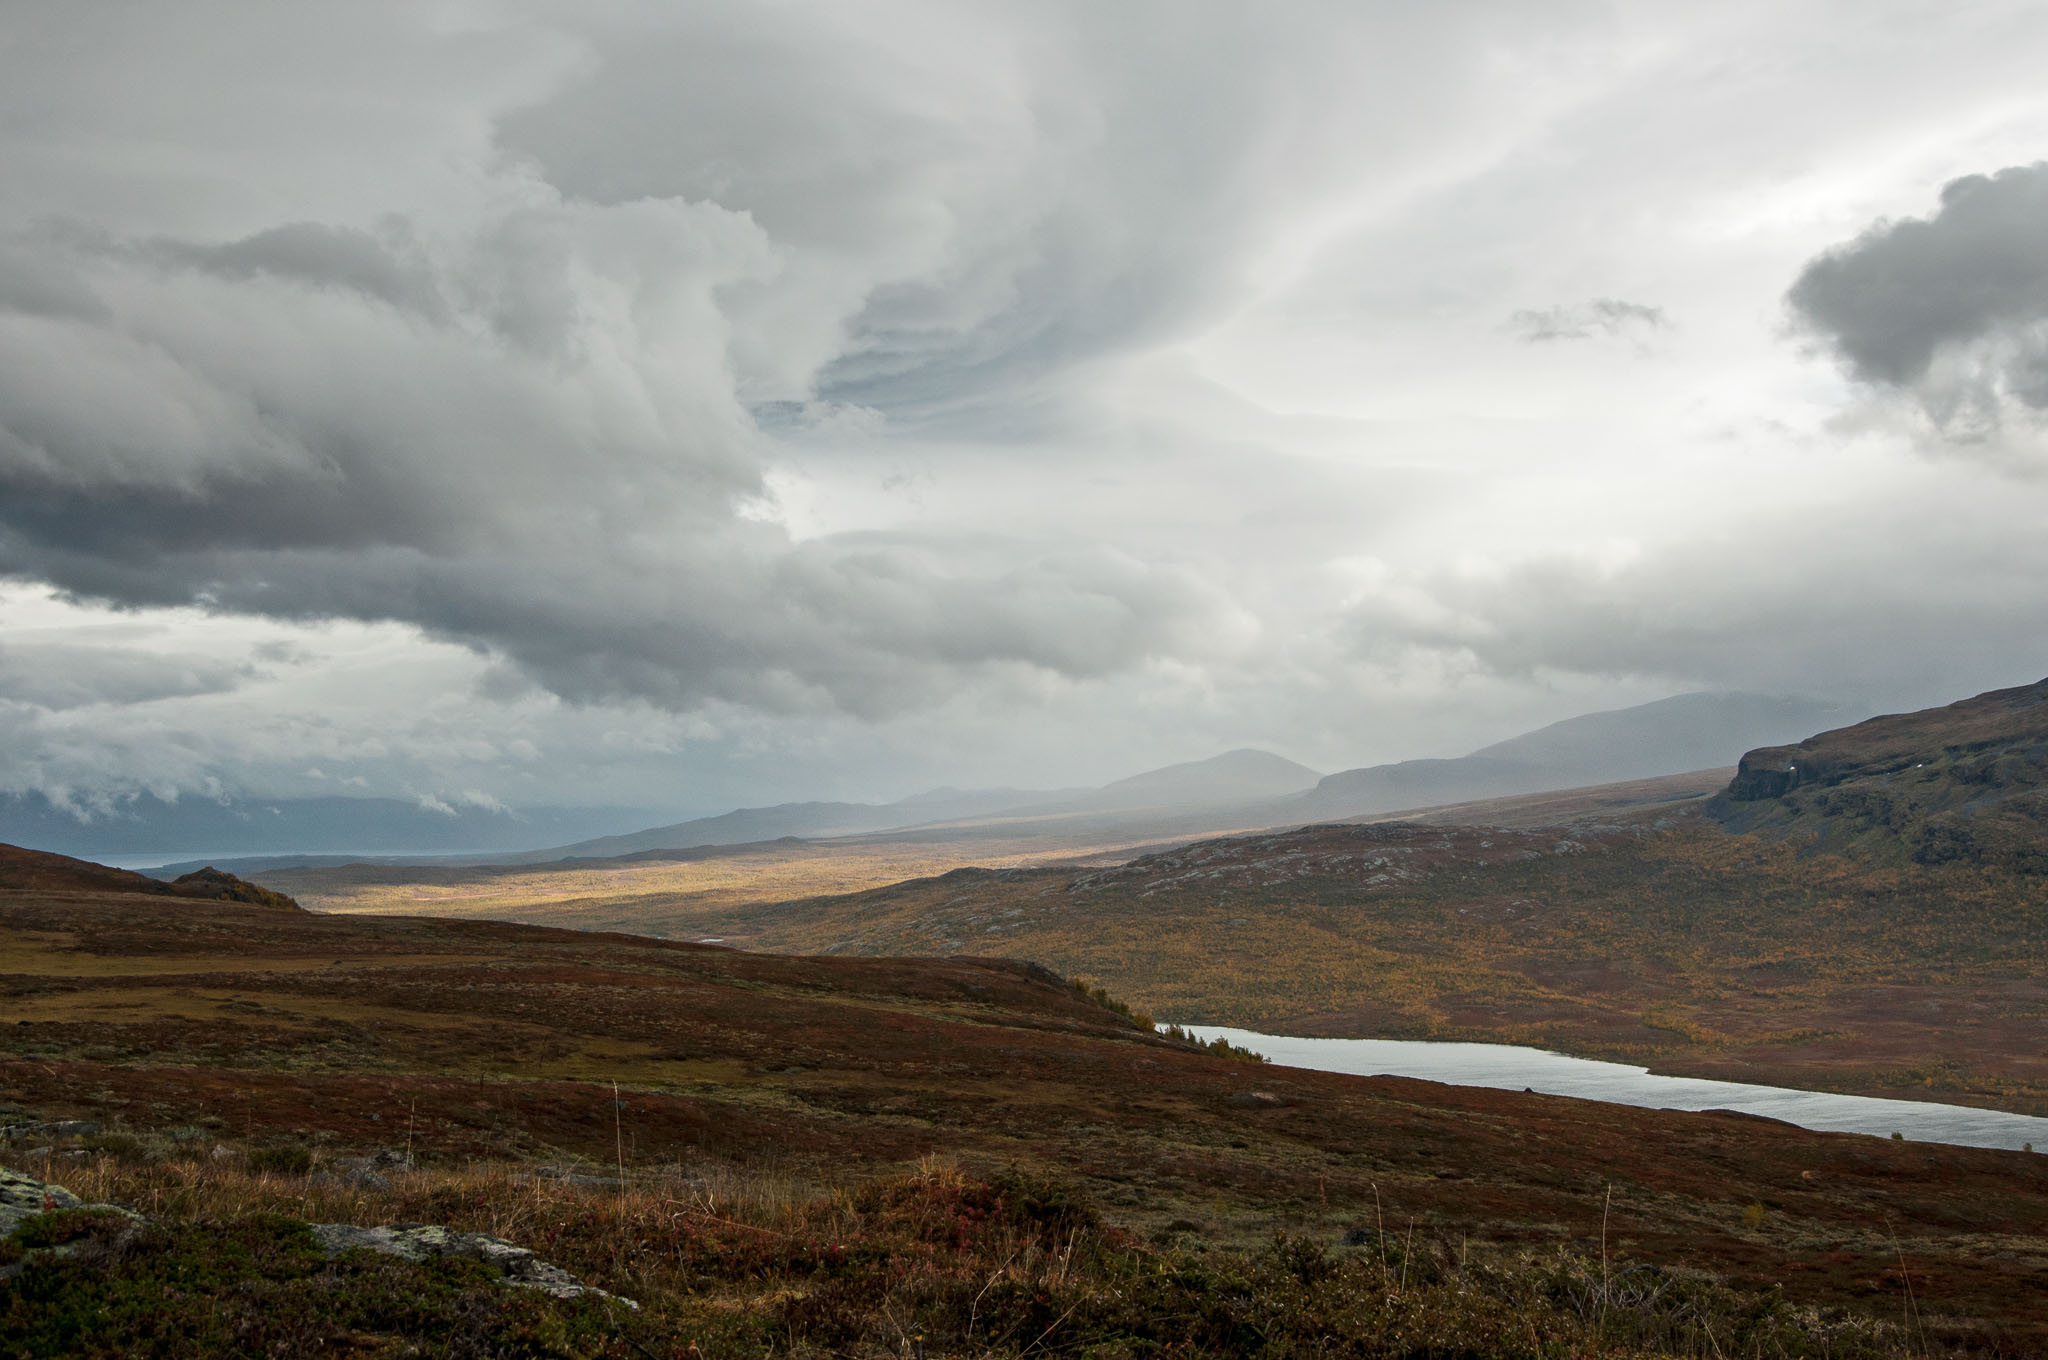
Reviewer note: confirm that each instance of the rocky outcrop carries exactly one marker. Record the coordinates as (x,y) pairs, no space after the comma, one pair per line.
(363,1173)
(23,1198)
(427,1242)
(1965,782)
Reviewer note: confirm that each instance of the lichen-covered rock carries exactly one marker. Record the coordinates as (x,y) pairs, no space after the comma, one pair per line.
(23,1197)
(428,1242)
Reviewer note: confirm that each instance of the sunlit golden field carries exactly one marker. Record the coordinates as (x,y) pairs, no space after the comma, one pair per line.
(662,895)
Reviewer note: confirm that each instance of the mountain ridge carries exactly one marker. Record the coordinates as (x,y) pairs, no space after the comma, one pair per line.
(1686,732)
(1966,781)
(1241,789)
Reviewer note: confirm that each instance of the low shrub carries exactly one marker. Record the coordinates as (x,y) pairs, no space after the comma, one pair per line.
(942,1261)
(282,1159)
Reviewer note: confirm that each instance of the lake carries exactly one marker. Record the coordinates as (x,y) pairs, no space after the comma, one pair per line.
(1509,1068)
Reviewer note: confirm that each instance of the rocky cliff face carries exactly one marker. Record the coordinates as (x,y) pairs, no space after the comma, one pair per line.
(1965,782)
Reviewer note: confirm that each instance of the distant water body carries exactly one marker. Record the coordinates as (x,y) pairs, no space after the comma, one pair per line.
(1513,1069)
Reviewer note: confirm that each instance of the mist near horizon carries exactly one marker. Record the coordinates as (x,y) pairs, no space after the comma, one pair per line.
(1244,788)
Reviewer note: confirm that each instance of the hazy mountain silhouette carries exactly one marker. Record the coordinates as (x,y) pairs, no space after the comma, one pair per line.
(1669,736)
(812,821)
(1235,778)
(1241,789)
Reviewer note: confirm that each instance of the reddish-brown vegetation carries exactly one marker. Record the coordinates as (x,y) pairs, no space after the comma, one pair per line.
(482,1042)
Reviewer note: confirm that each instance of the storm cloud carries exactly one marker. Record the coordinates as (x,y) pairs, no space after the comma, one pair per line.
(1951,309)
(522,412)
(739,402)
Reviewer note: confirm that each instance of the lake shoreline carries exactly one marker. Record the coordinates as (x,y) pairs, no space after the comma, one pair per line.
(1853,1077)
(1550,1072)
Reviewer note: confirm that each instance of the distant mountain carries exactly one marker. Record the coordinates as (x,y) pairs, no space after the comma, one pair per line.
(1240,789)
(811,821)
(1233,779)
(148,829)
(1670,736)
(1966,782)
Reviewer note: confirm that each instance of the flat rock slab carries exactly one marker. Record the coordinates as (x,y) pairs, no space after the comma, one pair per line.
(428,1242)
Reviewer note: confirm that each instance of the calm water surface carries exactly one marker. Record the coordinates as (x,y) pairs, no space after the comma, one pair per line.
(1510,1068)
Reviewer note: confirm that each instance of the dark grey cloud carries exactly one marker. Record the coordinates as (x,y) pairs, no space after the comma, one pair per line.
(1040,198)
(555,467)
(1950,310)
(1601,318)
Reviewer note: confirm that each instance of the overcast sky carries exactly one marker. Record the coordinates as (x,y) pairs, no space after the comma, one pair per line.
(689,405)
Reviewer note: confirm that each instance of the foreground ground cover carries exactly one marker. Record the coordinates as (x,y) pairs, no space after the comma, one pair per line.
(935,1261)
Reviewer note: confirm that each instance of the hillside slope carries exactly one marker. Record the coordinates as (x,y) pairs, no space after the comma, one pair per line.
(305,1043)
(1779,932)
(1968,782)
(1670,736)
(1656,938)
(39,871)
